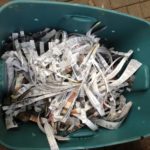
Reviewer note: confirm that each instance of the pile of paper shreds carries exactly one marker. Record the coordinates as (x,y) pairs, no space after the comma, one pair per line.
(66,81)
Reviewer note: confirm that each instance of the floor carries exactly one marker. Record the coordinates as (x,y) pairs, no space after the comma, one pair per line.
(139,8)
(143,144)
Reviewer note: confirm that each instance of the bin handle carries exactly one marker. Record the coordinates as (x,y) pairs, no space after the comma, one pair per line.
(85,132)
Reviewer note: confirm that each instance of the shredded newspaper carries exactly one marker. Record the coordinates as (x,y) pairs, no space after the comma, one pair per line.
(64,81)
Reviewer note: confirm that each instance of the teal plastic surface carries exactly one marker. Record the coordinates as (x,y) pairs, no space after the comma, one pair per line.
(3,80)
(123,32)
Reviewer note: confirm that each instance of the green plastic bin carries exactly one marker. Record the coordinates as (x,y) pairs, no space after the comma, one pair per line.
(123,32)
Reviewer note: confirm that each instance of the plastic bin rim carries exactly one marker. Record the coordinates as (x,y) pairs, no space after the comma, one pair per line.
(70,4)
